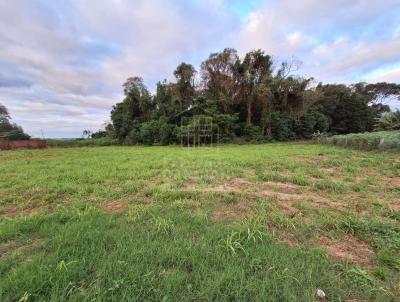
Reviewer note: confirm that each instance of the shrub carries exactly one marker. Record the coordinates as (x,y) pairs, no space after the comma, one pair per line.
(149,132)
(389,121)
(167,132)
(310,123)
(282,127)
(16,134)
(253,134)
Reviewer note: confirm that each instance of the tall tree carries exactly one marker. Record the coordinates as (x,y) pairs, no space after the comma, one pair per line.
(217,78)
(185,74)
(137,106)
(5,123)
(167,101)
(249,75)
(348,110)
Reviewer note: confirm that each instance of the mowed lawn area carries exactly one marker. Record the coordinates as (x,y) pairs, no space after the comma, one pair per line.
(272,222)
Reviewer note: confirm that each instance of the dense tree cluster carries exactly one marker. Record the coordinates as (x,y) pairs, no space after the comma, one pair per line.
(9,130)
(249,98)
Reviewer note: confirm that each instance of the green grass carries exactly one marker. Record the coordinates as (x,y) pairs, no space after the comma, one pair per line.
(233,223)
(366,141)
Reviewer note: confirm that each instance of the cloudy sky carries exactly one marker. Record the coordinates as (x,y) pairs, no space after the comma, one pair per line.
(62,63)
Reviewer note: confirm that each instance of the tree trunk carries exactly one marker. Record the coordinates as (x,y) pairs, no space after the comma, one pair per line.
(249,110)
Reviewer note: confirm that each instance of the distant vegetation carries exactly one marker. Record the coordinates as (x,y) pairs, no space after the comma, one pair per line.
(250,99)
(103,141)
(365,141)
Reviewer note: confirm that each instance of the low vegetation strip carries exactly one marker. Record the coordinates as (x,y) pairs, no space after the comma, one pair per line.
(365,141)
(275,222)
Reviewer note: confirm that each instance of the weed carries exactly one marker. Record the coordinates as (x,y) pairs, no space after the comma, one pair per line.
(389,259)
(232,243)
(163,225)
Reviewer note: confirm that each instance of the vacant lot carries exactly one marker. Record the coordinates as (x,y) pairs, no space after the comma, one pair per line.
(270,222)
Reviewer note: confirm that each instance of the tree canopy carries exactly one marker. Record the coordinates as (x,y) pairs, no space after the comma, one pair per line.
(250,98)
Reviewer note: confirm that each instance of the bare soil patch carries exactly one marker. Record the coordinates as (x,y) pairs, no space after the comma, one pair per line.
(115,207)
(319,202)
(284,193)
(349,248)
(330,170)
(395,181)
(8,248)
(287,187)
(395,205)
(233,212)
(280,195)
(9,211)
(288,209)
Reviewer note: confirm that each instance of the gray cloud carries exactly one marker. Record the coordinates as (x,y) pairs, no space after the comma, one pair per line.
(63,62)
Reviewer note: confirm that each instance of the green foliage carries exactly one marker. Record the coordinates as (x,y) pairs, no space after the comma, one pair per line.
(282,127)
(10,131)
(92,142)
(148,132)
(347,109)
(152,132)
(16,134)
(389,121)
(253,134)
(248,101)
(99,134)
(310,123)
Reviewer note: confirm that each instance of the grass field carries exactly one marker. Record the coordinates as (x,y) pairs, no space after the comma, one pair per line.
(271,222)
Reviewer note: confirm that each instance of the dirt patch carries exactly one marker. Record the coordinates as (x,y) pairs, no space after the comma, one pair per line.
(395,205)
(193,180)
(147,200)
(233,212)
(349,249)
(240,182)
(288,240)
(330,170)
(395,181)
(319,202)
(288,209)
(8,248)
(115,207)
(9,211)
(271,189)
(287,187)
(280,195)
(250,172)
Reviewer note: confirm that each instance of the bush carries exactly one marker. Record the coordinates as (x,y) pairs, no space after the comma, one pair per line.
(282,127)
(253,134)
(310,123)
(16,134)
(152,132)
(167,132)
(389,121)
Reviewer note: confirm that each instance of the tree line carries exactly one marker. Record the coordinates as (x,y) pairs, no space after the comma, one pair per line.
(250,98)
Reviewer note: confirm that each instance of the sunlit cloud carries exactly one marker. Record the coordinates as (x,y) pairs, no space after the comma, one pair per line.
(62,63)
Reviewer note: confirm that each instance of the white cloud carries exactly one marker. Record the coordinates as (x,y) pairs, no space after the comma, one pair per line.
(78,56)
(63,63)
